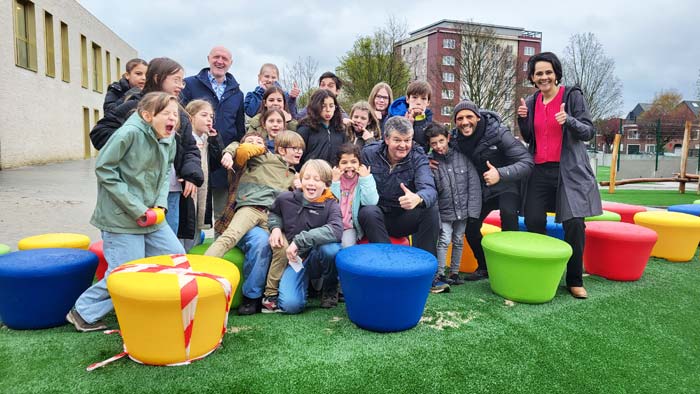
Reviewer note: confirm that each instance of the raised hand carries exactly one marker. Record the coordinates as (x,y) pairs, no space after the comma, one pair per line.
(561,115)
(491,177)
(227,161)
(364,170)
(336,174)
(410,199)
(522,109)
(295,92)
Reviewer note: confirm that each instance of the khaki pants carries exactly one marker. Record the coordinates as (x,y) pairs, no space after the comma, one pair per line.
(243,221)
(277,266)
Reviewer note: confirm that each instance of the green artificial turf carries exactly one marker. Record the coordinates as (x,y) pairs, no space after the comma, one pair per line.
(649,198)
(602,173)
(639,336)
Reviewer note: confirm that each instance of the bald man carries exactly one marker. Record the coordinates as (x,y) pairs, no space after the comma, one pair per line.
(216,85)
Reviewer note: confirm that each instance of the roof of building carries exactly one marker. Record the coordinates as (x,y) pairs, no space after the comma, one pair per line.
(693,105)
(455,24)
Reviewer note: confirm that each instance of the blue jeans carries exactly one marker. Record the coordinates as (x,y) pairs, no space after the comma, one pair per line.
(118,249)
(319,263)
(173,215)
(257,251)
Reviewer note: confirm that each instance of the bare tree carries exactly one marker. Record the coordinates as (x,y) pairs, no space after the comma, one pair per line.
(373,59)
(586,65)
(486,68)
(303,72)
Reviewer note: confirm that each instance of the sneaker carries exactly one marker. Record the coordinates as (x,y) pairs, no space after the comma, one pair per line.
(329,300)
(443,278)
(249,306)
(269,305)
(439,286)
(456,279)
(81,325)
(477,275)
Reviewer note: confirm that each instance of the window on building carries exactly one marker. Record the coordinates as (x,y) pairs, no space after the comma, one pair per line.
(65,54)
(108,69)
(97,76)
(86,132)
(448,94)
(632,149)
(446,110)
(83,63)
(49,44)
(448,43)
(118,70)
(25,34)
(650,148)
(448,60)
(448,77)
(633,135)
(529,51)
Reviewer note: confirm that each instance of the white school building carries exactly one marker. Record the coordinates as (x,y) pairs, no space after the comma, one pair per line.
(56,61)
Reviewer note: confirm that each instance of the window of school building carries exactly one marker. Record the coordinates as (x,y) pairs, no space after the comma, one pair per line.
(65,54)
(448,43)
(97,77)
(446,110)
(529,51)
(83,62)
(448,60)
(448,94)
(49,44)
(448,77)
(25,34)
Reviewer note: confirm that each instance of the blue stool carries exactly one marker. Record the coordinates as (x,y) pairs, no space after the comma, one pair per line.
(690,209)
(554,229)
(38,287)
(385,286)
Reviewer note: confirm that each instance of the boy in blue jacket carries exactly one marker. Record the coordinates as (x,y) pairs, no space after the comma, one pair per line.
(414,107)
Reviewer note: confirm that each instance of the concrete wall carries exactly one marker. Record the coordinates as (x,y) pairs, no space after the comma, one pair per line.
(42,117)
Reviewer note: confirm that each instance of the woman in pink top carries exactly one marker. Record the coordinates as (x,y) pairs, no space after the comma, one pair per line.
(555,122)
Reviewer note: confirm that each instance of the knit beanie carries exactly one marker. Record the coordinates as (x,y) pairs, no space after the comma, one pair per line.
(465,104)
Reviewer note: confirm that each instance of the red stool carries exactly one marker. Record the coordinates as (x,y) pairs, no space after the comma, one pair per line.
(493,218)
(617,250)
(626,211)
(96,248)
(394,241)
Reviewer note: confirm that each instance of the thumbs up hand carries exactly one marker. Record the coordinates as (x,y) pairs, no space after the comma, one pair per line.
(561,115)
(410,199)
(294,93)
(522,109)
(491,177)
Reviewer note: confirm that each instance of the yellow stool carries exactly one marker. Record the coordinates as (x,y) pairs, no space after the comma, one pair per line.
(156,327)
(468,262)
(679,233)
(55,240)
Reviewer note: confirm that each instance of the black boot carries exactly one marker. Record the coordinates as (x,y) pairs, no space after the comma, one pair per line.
(477,275)
(250,306)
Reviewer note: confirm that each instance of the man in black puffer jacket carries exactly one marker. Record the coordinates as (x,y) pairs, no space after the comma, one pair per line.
(502,162)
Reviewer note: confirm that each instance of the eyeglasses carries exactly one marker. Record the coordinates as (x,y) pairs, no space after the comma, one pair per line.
(380,97)
(179,82)
(294,148)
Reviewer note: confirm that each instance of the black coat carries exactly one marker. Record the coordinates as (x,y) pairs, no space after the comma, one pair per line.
(503,151)
(116,92)
(576,178)
(321,143)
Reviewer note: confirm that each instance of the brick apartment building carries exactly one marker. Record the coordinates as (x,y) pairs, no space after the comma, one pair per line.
(431,51)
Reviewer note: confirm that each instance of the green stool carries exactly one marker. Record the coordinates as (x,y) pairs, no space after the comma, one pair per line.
(607,216)
(234,256)
(696,202)
(4,249)
(525,267)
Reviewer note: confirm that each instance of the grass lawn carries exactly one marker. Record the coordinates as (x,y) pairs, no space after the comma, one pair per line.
(602,173)
(639,336)
(650,198)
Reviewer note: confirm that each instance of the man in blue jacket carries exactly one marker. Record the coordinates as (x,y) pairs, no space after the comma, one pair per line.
(216,85)
(407,194)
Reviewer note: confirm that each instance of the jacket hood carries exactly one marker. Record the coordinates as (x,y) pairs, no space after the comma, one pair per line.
(400,106)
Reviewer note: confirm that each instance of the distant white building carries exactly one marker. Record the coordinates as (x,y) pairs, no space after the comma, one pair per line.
(56,61)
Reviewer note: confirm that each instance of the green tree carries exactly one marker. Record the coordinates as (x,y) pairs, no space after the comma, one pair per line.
(373,59)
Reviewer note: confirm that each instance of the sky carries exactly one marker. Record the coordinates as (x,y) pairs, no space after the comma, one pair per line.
(655,44)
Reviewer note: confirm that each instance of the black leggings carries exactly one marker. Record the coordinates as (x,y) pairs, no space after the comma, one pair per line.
(542,195)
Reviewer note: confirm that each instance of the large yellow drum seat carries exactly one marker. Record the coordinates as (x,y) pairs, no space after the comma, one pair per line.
(55,240)
(172,316)
(679,233)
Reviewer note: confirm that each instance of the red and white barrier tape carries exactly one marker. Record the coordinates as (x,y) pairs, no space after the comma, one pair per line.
(189,294)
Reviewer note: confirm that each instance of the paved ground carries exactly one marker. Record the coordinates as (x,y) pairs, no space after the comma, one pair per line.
(60,198)
(49,198)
